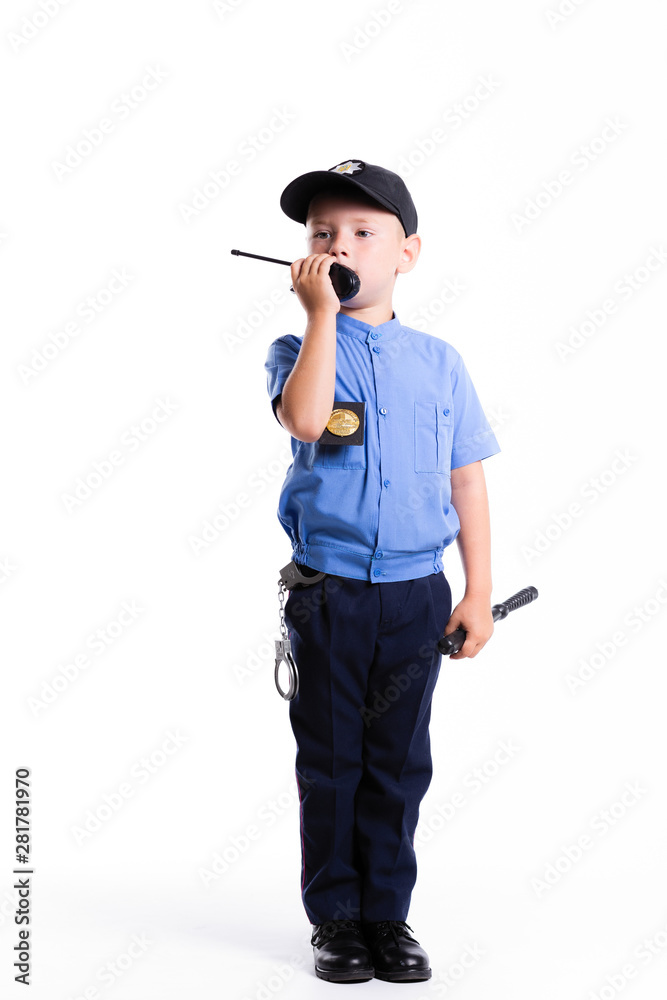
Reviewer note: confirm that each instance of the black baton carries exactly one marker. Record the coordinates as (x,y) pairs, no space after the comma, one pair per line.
(452,642)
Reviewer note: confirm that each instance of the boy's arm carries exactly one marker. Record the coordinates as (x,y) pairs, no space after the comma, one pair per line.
(308,394)
(473,612)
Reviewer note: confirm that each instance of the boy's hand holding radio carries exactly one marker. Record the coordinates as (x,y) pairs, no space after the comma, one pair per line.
(312,283)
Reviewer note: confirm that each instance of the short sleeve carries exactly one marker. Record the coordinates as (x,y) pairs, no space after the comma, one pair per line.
(473,438)
(280,361)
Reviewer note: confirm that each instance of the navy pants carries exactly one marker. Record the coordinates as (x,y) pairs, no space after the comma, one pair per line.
(368,664)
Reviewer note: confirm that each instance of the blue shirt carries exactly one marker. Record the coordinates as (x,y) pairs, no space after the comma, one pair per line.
(382,511)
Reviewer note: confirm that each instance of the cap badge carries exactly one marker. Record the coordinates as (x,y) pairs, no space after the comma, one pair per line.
(348,167)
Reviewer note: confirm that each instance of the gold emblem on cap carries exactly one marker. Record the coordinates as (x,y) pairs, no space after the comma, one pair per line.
(348,167)
(343,422)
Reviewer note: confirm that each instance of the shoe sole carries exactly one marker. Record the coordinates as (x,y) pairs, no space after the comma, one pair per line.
(409,976)
(358,976)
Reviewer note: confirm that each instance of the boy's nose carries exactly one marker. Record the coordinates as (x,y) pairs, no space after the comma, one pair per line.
(338,247)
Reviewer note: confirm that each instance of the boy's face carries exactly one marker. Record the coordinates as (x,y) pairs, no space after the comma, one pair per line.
(365,237)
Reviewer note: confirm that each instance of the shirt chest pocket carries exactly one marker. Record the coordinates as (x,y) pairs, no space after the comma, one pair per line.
(434,430)
(339,456)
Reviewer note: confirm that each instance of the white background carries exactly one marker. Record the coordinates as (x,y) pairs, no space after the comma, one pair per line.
(186,329)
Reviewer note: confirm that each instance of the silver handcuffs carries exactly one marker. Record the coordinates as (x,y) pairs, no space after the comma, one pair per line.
(290,577)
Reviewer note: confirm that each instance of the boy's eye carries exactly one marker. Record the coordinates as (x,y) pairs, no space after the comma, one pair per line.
(325,233)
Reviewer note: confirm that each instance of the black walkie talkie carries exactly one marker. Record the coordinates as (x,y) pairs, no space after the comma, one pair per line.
(345,281)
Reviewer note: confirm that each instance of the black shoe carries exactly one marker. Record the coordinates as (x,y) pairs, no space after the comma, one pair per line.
(397,957)
(341,955)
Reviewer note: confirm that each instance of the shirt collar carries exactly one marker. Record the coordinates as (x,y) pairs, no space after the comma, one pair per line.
(353,327)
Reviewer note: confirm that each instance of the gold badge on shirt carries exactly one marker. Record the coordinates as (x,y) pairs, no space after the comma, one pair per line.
(345,425)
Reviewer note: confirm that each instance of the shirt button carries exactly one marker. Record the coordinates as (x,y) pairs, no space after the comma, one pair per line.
(377,572)
(379,554)
(386,482)
(383,410)
(377,350)
(375,336)
(446,412)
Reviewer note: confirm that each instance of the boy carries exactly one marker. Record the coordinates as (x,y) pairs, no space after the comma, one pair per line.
(374,515)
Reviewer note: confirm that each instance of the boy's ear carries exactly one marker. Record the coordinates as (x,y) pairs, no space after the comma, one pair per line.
(410,253)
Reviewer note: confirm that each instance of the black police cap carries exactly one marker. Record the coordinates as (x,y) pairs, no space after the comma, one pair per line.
(384,186)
